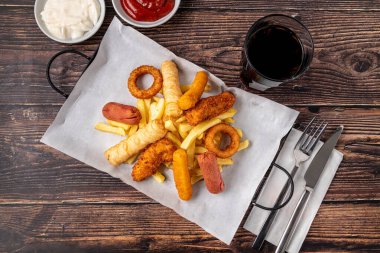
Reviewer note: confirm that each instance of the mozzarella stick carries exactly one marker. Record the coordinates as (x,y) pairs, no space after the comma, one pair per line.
(182,175)
(171,90)
(192,96)
(120,153)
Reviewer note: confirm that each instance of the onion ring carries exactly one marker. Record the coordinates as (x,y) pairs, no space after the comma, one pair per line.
(231,149)
(148,93)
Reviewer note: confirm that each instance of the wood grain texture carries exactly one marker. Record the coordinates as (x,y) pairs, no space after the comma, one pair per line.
(365,5)
(346,54)
(50,202)
(110,228)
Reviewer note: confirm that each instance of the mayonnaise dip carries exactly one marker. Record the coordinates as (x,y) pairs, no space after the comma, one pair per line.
(70,19)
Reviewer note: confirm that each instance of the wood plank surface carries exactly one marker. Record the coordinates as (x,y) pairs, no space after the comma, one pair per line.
(50,202)
(346,54)
(139,228)
(364,5)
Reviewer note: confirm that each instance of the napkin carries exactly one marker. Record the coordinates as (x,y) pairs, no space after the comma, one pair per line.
(122,49)
(273,186)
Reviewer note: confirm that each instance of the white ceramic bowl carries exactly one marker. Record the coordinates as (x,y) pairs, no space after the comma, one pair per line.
(38,8)
(120,11)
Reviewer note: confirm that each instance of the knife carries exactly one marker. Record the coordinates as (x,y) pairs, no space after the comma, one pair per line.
(312,176)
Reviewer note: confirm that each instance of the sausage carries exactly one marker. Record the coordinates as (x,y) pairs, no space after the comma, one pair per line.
(211,173)
(122,113)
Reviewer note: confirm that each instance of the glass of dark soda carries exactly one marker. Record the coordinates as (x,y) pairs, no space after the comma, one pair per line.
(277,49)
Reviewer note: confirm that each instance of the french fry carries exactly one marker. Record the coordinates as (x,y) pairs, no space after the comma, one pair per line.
(133,130)
(225,161)
(173,138)
(229,120)
(159,177)
(198,130)
(110,129)
(200,137)
(195,179)
(186,87)
(156,99)
(239,131)
(190,155)
(132,159)
(181,119)
(147,103)
(200,150)
(126,127)
(141,107)
(243,145)
(196,172)
(157,109)
(184,129)
(228,114)
(169,125)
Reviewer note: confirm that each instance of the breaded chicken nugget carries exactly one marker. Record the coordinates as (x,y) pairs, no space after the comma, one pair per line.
(153,156)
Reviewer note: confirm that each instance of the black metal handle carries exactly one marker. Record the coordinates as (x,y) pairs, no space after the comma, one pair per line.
(279,205)
(72,51)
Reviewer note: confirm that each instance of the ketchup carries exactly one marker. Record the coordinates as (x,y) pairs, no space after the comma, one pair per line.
(147,10)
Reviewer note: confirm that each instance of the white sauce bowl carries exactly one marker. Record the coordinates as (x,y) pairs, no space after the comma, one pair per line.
(120,11)
(39,7)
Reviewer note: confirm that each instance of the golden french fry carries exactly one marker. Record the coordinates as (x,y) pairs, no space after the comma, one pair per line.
(200,137)
(198,130)
(173,138)
(132,159)
(159,177)
(156,99)
(239,131)
(184,129)
(190,155)
(141,107)
(200,150)
(181,119)
(169,125)
(225,161)
(196,172)
(133,130)
(110,129)
(186,87)
(157,109)
(229,120)
(195,179)
(243,145)
(228,114)
(126,127)
(147,103)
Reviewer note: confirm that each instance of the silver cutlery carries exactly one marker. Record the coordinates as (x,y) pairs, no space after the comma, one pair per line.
(302,151)
(312,176)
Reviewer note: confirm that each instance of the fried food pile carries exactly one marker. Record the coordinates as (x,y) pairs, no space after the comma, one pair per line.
(173,126)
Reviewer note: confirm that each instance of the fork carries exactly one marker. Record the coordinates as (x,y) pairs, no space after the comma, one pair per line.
(302,152)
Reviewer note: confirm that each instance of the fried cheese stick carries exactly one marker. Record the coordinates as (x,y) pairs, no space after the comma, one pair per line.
(171,90)
(191,97)
(120,153)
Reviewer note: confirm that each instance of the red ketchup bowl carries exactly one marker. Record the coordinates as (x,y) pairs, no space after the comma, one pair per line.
(146,13)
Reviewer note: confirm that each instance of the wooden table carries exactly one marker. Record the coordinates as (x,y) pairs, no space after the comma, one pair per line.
(50,202)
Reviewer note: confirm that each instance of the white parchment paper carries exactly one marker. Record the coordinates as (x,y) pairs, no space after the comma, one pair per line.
(122,49)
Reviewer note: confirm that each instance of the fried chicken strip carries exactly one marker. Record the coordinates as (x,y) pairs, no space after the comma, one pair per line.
(151,159)
(210,107)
